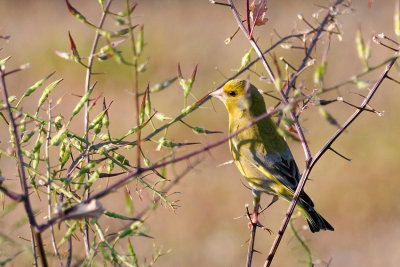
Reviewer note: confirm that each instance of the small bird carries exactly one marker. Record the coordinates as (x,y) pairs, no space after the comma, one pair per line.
(261,154)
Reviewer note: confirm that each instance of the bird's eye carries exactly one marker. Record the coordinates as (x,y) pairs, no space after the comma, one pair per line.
(232,93)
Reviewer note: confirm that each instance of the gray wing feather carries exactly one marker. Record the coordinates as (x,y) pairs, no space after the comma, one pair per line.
(281,165)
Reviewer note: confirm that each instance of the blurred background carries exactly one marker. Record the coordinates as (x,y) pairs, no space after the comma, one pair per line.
(359,198)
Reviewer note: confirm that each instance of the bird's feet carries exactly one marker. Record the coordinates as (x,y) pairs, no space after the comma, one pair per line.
(254,222)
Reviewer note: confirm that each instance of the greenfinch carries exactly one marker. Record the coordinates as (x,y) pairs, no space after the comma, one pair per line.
(261,154)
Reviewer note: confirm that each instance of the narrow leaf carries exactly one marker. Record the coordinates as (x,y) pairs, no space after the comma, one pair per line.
(34,87)
(46,93)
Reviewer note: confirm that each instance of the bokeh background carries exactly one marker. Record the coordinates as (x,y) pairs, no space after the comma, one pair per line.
(359,198)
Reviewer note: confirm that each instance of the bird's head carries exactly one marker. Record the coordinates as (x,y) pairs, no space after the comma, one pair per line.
(239,95)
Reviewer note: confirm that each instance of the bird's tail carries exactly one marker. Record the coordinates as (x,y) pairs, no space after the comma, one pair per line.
(315,221)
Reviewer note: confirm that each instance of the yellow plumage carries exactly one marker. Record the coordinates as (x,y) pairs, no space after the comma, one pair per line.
(260,153)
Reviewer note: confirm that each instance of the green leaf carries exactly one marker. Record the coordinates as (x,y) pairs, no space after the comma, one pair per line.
(77,14)
(9,259)
(59,137)
(4,60)
(320,72)
(132,253)
(327,116)
(70,231)
(132,230)
(46,93)
(119,216)
(98,119)
(161,86)
(161,117)
(121,159)
(64,154)
(81,103)
(246,59)
(26,136)
(33,88)
(140,41)
(93,178)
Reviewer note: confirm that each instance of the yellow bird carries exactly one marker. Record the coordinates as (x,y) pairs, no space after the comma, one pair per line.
(261,154)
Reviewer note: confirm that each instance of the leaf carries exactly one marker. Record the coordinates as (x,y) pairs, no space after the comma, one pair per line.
(46,93)
(75,51)
(161,86)
(93,177)
(9,259)
(246,59)
(162,117)
(143,105)
(327,116)
(81,102)
(4,60)
(70,231)
(132,253)
(360,44)
(97,120)
(106,51)
(77,14)
(33,88)
(119,216)
(59,137)
(132,230)
(63,55)
(140,41)
(258,13)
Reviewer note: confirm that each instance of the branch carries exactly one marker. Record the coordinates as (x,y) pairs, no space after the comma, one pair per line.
(325,148)
(14,196)
(49,181)
(250,249)
(86,122)
(37,238)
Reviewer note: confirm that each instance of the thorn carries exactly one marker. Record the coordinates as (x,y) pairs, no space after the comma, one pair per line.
(219,3)
(337,153)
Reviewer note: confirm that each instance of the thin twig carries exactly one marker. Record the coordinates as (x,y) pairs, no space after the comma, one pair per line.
(250,249)
(87,104)
(69,256)
(37,238)
(136,83)
(49,180)
(302,244)
(14,196)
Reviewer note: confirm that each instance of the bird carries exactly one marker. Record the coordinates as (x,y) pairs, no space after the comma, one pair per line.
(261,154)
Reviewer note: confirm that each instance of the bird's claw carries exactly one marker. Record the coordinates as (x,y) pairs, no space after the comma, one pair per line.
(254,222)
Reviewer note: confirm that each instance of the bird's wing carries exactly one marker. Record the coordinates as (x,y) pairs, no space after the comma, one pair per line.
(280,165)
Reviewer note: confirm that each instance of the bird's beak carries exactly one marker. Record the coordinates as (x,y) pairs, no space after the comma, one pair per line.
(219,94)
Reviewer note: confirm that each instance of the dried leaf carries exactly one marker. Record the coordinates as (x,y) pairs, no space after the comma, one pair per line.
(258,12)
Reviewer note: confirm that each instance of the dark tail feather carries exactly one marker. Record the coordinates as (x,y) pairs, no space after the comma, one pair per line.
(316,221)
